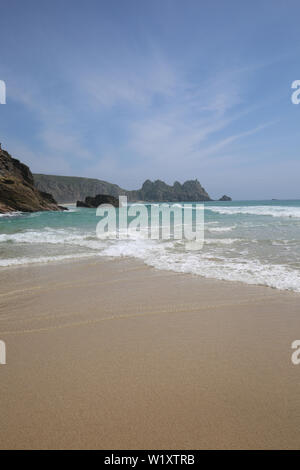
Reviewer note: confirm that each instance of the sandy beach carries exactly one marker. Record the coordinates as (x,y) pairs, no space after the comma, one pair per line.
(116,355)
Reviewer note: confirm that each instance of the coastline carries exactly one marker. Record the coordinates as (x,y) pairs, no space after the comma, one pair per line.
(115,354)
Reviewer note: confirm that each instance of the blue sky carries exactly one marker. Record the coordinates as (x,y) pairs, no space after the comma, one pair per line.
(126,90)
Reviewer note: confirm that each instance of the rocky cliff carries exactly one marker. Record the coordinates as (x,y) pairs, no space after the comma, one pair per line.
(67,189)
(17,190)
(160,191)
(70,189)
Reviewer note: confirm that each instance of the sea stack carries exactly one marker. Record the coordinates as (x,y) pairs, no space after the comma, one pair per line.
(93,202)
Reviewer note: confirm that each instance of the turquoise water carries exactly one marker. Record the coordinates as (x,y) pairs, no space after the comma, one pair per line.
(256,242)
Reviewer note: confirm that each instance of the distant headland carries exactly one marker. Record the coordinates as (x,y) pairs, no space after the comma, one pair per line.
(20,190)
(68,189)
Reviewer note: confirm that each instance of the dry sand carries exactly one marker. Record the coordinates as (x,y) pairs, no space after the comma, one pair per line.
(116,355)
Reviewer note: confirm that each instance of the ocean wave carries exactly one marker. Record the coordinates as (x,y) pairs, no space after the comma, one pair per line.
(222,241)
(42,259)
(273,211)
(11,214)
(54,237)
(221,258)
(210,265)
(221,229)
(41,236)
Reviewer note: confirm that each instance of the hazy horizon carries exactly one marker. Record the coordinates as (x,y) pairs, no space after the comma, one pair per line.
(129,91)
(171,184)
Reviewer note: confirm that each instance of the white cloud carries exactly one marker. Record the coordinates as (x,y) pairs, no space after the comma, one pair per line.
(169,124)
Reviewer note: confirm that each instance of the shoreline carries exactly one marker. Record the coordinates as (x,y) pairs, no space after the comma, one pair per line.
(85,258)
(239,246)
(118,355)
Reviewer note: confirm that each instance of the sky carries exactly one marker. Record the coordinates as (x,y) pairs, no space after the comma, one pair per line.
(129,90)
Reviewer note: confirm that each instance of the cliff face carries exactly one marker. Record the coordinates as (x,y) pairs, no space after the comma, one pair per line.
(67,189)
(70,189)
(17,191)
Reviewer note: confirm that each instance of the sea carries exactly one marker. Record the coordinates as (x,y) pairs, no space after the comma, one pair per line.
(254,242)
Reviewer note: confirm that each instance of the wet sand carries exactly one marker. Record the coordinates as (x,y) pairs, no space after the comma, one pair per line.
(116,355)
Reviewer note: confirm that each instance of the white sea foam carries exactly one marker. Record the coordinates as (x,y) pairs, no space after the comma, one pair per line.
(234,259)
(274,211)
(221,241)
(221,229)
(42,259)
(54,237)
(11,214)
(161,256)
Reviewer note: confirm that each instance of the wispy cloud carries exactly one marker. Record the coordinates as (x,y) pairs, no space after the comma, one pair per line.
(165,122)
(132,85)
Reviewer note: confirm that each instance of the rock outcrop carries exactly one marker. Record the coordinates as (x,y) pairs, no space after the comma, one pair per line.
(225,198)
(92,202)
(17,190)
(159,191)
